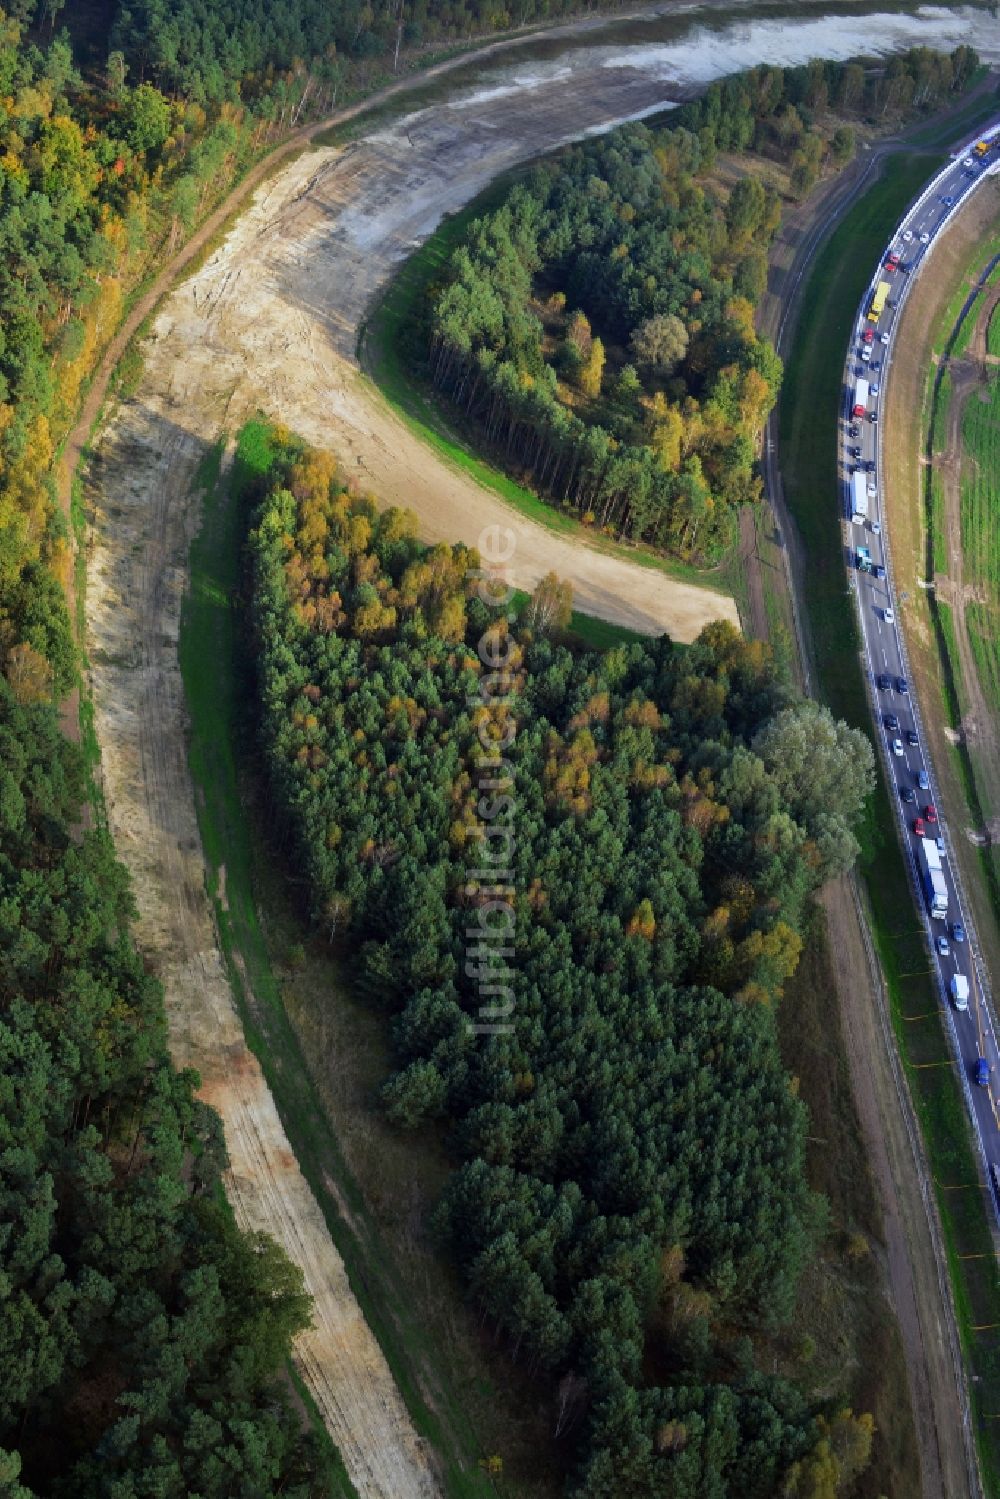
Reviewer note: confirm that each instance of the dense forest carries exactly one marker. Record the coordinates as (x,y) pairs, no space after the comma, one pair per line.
(145,1340)
(142,1335)
(577,882)
(203,49)
(597,327)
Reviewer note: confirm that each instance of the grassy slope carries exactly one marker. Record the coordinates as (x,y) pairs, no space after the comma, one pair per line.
(981,445)
(810,407)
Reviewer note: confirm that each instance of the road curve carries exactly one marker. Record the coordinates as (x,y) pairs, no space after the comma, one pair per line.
(954,953)
(895,707)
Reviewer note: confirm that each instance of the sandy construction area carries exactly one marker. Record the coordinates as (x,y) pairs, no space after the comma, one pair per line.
(271,322)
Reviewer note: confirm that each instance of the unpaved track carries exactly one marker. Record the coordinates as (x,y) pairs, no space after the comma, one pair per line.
(144,526)
(271,322)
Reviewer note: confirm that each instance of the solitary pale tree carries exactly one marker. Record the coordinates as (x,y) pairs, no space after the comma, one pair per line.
(660,342)
(550,606)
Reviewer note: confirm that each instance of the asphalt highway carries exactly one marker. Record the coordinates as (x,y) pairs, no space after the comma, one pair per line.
(911,777)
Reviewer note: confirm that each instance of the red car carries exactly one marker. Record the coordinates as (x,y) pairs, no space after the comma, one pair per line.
(918,826)
(930,812)
(869,335)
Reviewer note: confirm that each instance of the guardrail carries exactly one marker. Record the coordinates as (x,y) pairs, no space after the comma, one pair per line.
(933,188)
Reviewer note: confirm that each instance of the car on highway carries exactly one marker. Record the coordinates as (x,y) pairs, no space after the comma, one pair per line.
(856,452)
(891,722)
(888,615)
(876,528)
(943,946)
(855,430)
(923,780)
(883,338)
(874,386)
(925,238)
(907,235)
(941,846)
(911,738)
(930,812)
(968,162)
(879,570)
(982,1072)
(866,353)
(897,749)
(918,826)
(873,416)
(957,932)
(906,792)
(868,337)
(948,201)
(884,682)
(902,685)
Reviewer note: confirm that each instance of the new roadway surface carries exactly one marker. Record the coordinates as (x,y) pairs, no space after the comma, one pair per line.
(910,774)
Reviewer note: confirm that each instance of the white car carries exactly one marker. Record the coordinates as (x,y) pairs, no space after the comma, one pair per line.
(888,615)
(876,528)
(883,338)
(968,162)
(874,388)
(925,238)
(907,235)
(897,746)
(943,946)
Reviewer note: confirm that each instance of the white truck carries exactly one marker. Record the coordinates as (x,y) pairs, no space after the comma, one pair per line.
(859,497)
(932,878)
(960,991)
(861,398)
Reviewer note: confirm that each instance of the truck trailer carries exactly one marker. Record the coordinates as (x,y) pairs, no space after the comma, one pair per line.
(861,398)
(932,879)
(859,497)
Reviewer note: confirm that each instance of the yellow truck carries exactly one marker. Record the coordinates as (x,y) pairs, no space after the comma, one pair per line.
(878,301)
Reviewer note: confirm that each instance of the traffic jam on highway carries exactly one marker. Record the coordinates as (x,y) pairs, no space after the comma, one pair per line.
(911,774)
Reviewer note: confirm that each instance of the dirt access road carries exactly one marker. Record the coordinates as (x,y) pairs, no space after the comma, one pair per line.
(248,331)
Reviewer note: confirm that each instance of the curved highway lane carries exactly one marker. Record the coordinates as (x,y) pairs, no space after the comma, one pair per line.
(910,774)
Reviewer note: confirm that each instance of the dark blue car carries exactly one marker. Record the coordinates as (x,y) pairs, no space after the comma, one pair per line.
(982,1072)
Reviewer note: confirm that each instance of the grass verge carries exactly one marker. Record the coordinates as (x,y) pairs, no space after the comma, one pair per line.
(810,405)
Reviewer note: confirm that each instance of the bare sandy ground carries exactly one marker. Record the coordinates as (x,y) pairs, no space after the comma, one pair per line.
(143,529)
(271,323)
